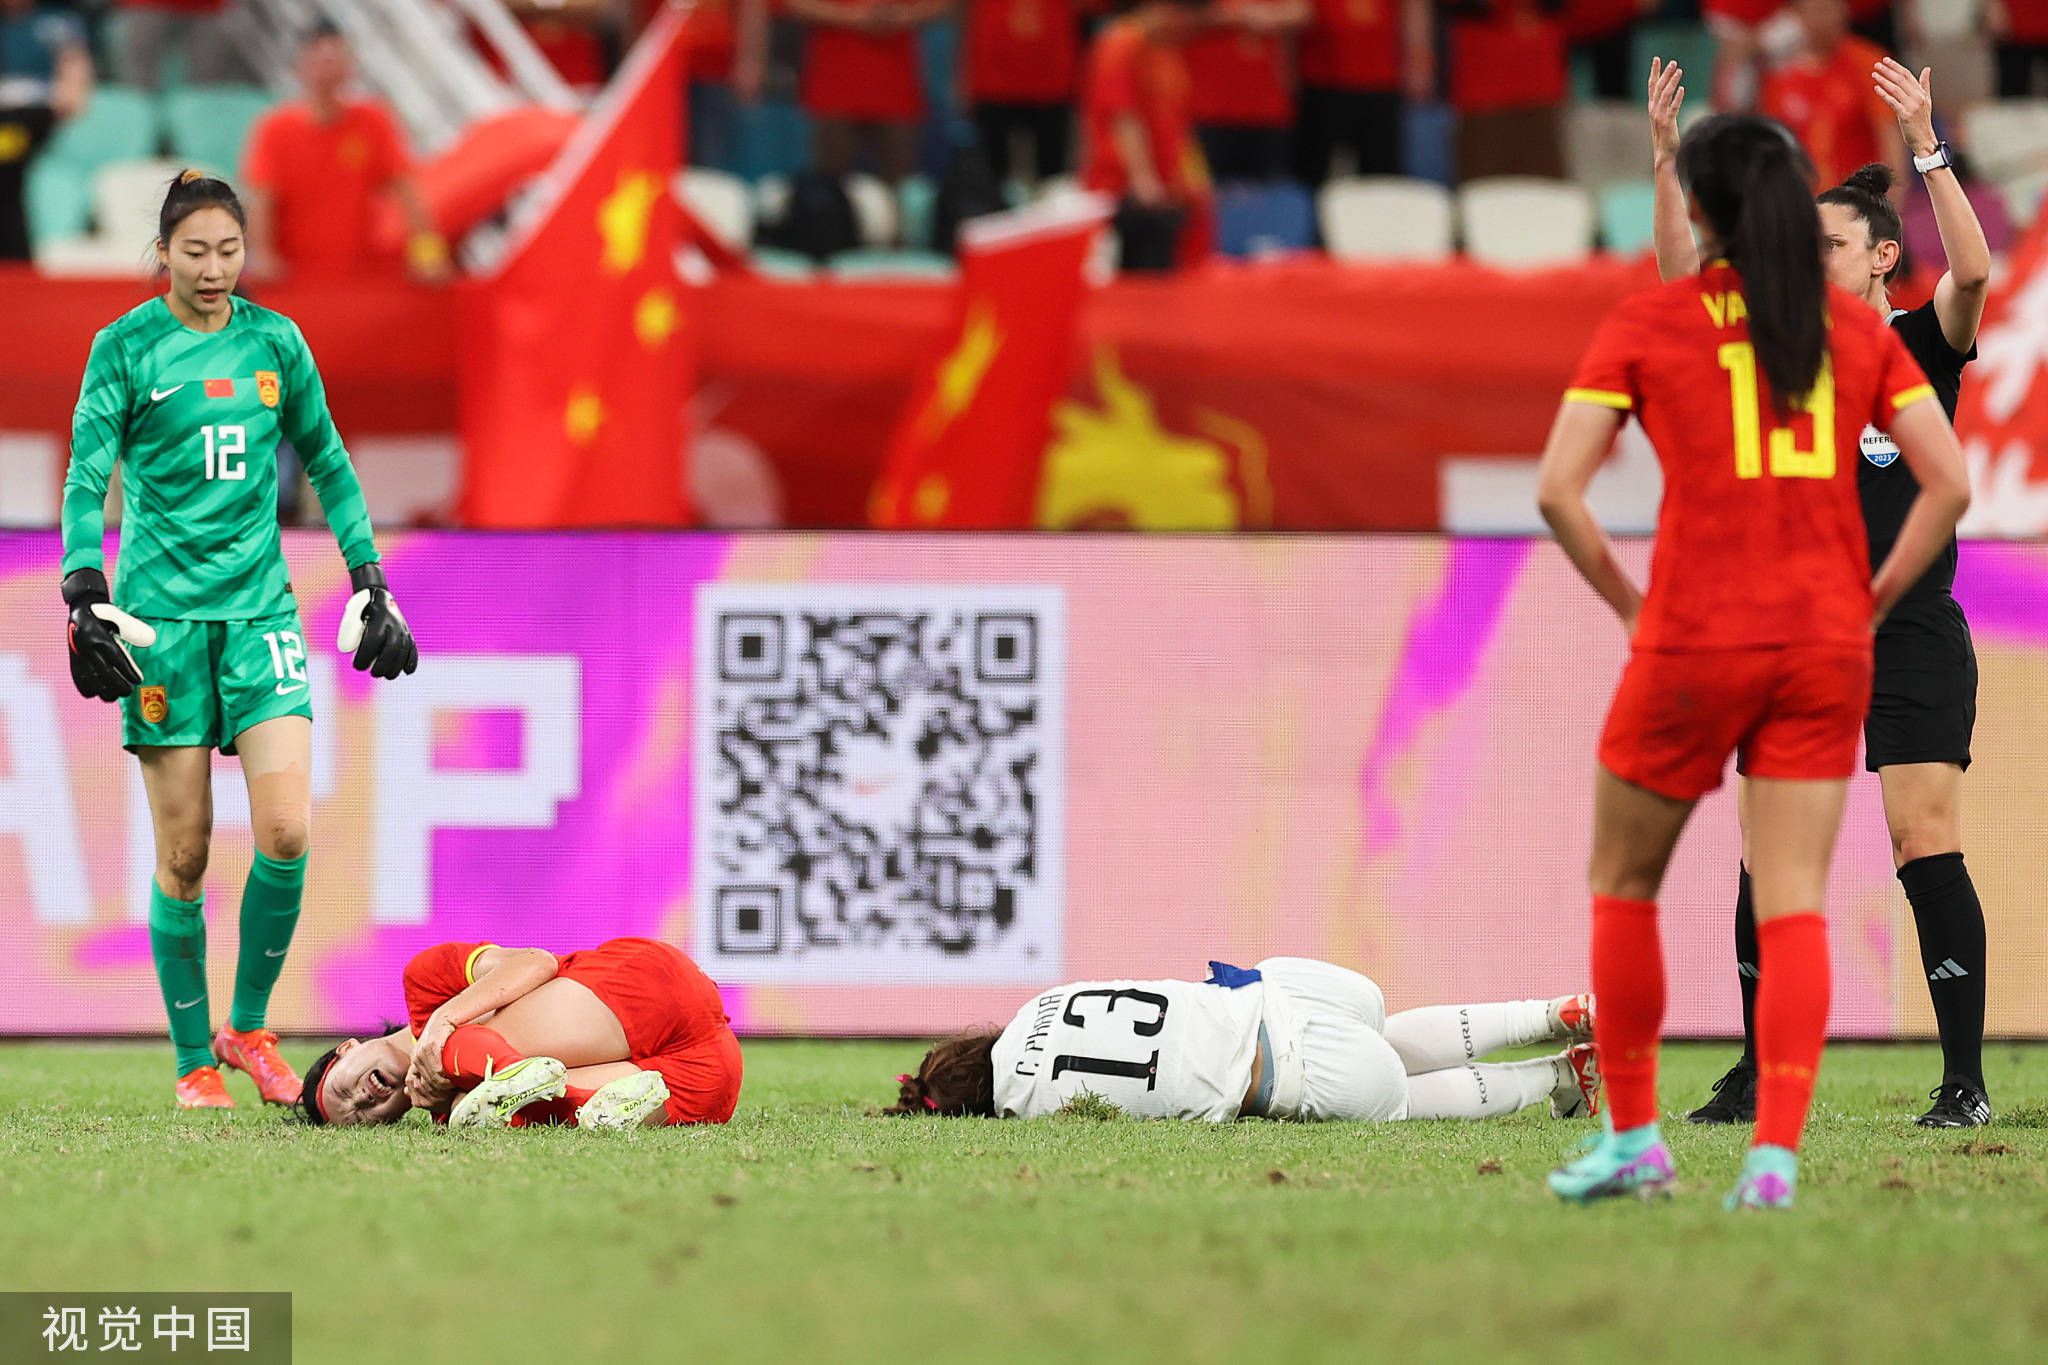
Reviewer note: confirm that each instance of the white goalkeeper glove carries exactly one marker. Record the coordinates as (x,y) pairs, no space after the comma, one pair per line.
(373,629)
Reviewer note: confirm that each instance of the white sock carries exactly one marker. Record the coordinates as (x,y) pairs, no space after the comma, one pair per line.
(1483,1090)
(1439,1036)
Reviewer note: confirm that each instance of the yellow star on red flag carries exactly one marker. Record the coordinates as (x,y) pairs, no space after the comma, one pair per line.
(623,216)
(583,416)
(654,317)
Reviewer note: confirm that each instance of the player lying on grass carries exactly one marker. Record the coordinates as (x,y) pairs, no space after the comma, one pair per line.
(629,1032)
(1288,1039)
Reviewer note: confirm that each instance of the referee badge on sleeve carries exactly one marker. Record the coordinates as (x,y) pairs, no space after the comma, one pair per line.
(267,387)
(156,704)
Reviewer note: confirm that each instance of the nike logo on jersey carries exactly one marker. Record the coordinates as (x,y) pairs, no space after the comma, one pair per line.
(286,689)
(275,952)
(188,1004)
(158,395)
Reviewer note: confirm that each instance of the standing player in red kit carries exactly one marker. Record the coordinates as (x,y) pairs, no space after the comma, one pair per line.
(1753,380)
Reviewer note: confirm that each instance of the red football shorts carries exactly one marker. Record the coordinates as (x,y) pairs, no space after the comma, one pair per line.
(673,1019)
(1793,713)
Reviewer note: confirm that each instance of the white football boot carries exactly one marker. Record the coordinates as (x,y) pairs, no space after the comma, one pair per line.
(501,1094)
(625,1102)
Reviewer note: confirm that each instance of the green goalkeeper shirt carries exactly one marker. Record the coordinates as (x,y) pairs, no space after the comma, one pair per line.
(195,418)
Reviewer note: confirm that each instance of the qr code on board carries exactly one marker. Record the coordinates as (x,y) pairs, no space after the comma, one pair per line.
(878,783)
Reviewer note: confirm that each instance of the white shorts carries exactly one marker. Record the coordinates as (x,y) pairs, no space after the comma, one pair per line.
(1330,1060)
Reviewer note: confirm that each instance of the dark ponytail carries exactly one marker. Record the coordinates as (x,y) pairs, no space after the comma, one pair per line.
(1753,186)
(191,192)
(1867,194)
(956,1078)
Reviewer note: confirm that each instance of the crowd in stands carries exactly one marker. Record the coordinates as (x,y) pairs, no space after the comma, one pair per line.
(1161,104)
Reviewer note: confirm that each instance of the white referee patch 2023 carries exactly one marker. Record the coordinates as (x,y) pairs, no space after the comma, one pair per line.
(1879,448)
(879,783)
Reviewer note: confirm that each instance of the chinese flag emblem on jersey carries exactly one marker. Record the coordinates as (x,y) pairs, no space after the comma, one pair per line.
(969,449)
(576,364)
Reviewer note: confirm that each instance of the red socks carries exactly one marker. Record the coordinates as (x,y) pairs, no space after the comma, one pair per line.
(473,1050)
(1628,979)
(1791,1023)
(473,1047)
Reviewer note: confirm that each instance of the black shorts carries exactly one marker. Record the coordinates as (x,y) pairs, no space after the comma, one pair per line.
(1923,695)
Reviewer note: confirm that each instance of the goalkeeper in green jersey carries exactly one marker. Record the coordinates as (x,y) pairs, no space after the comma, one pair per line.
(192,392)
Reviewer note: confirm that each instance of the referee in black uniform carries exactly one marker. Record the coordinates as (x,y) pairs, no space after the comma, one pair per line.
(1923,703)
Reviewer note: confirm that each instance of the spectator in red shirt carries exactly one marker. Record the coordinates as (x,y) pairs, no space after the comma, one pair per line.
(1243,86)
(1599,31)
(150,28)
(1023,63)
(1359,58)
(314,169)
(2018,30)
(1139,133)
(1828,97)
(861,82)
(1509,79)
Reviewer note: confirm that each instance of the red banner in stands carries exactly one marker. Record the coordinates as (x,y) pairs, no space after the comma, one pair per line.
(1313,397)
(1310,398)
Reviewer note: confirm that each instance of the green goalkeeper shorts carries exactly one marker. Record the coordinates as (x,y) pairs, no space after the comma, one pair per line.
(204,682)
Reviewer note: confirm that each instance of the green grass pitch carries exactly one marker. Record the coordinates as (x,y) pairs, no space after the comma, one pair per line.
(807,1231)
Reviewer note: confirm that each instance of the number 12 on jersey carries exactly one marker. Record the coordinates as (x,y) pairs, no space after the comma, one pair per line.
(224,449)
(1788,461)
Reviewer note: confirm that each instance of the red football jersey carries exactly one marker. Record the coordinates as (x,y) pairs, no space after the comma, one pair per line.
(661,999)
(1760,540)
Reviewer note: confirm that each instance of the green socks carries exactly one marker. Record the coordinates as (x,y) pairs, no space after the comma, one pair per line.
(270,911)
(177,942)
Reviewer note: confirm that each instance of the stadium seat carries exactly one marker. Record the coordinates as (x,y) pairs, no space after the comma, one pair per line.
(91,257)
(2008,141)
(1605,143)
(1690,45)
(208,125)
(771,197)
(876,208)
(1518,221)
(875,265)
(118,124)
(1264,220)
(782,265)
(126,197)
(58,198)
(917,199)
(1627,217)
(721,203)
(1386,218)
(1057,187)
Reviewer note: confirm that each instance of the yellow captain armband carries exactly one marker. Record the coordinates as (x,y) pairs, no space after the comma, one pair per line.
(1605,398)
(469,966)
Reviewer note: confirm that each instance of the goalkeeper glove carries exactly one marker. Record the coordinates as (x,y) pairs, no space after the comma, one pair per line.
(373,629)
(100,634)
